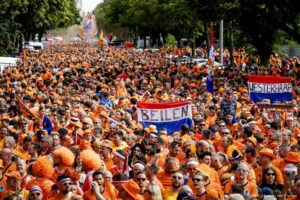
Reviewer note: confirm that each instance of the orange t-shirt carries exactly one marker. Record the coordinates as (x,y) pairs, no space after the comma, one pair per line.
(165,179)
(249,188)
(90,195)
(108,163)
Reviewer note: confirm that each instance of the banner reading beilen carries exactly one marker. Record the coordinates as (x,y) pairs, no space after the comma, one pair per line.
(269,87)
(165,115)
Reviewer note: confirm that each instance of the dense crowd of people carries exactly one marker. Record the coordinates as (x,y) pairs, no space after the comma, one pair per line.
(69,128)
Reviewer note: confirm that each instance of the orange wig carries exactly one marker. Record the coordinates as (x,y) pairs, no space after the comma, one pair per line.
(43,168)
(65,155)
(90,159)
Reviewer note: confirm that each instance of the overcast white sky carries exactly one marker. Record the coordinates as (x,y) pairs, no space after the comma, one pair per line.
(89,5)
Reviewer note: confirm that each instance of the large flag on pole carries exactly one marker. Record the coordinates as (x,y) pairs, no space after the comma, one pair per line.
(88,29)
(209,78)
(211,51)
(270,87)
(165,115)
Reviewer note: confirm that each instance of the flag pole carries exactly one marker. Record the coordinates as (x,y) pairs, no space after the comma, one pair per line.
(221,41)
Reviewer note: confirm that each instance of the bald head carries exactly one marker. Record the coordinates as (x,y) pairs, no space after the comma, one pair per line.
(171,165)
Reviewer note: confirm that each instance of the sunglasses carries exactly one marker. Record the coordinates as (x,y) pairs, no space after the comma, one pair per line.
(68,183)
(201,124)
(177,177)
(197,179)
(35,194)
(141,179)
(270,174)
(191,168)
(225,133)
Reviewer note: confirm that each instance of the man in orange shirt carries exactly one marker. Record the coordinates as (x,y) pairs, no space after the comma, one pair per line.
(174,151)
(216,163)
(177,181)
(64,185)
(100,189)
(21,151)
(165,176)
(250,188)
(105,152)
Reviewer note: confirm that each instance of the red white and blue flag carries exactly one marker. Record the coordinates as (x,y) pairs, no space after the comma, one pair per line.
(212,42)
(270,87)
(165,115)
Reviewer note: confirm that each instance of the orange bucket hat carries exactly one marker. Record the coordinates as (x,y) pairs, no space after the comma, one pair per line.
(132,189)
(267,152)
(293,157)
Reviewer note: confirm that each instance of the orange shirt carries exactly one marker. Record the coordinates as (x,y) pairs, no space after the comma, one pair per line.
(279,163)
(166,179)
(216,187)
(210,120)
(217,142)
(19,151)
(108,163)
(90,195)
(249,188)
(221,171)
(114,170)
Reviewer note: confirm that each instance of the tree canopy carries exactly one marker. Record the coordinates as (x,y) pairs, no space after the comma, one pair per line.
(260,23)
(26,18)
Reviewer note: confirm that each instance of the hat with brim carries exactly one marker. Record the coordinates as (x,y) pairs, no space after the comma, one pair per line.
(88,121)
(204,169)
(253,140)
(77,124)
(151,129)
(293,157)
(73,120)
(267,152)
(88,131)
(132,189)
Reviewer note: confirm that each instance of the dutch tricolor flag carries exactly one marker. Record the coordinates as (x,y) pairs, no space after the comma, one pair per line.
(270,87)
(165,115)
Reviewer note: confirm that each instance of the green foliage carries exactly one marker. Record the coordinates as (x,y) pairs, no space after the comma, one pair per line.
(9,29)
(170,40)
(256,24)
(26,18)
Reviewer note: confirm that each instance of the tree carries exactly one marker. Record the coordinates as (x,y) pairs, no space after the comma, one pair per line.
(26,18)
(9,28)
(267,19)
